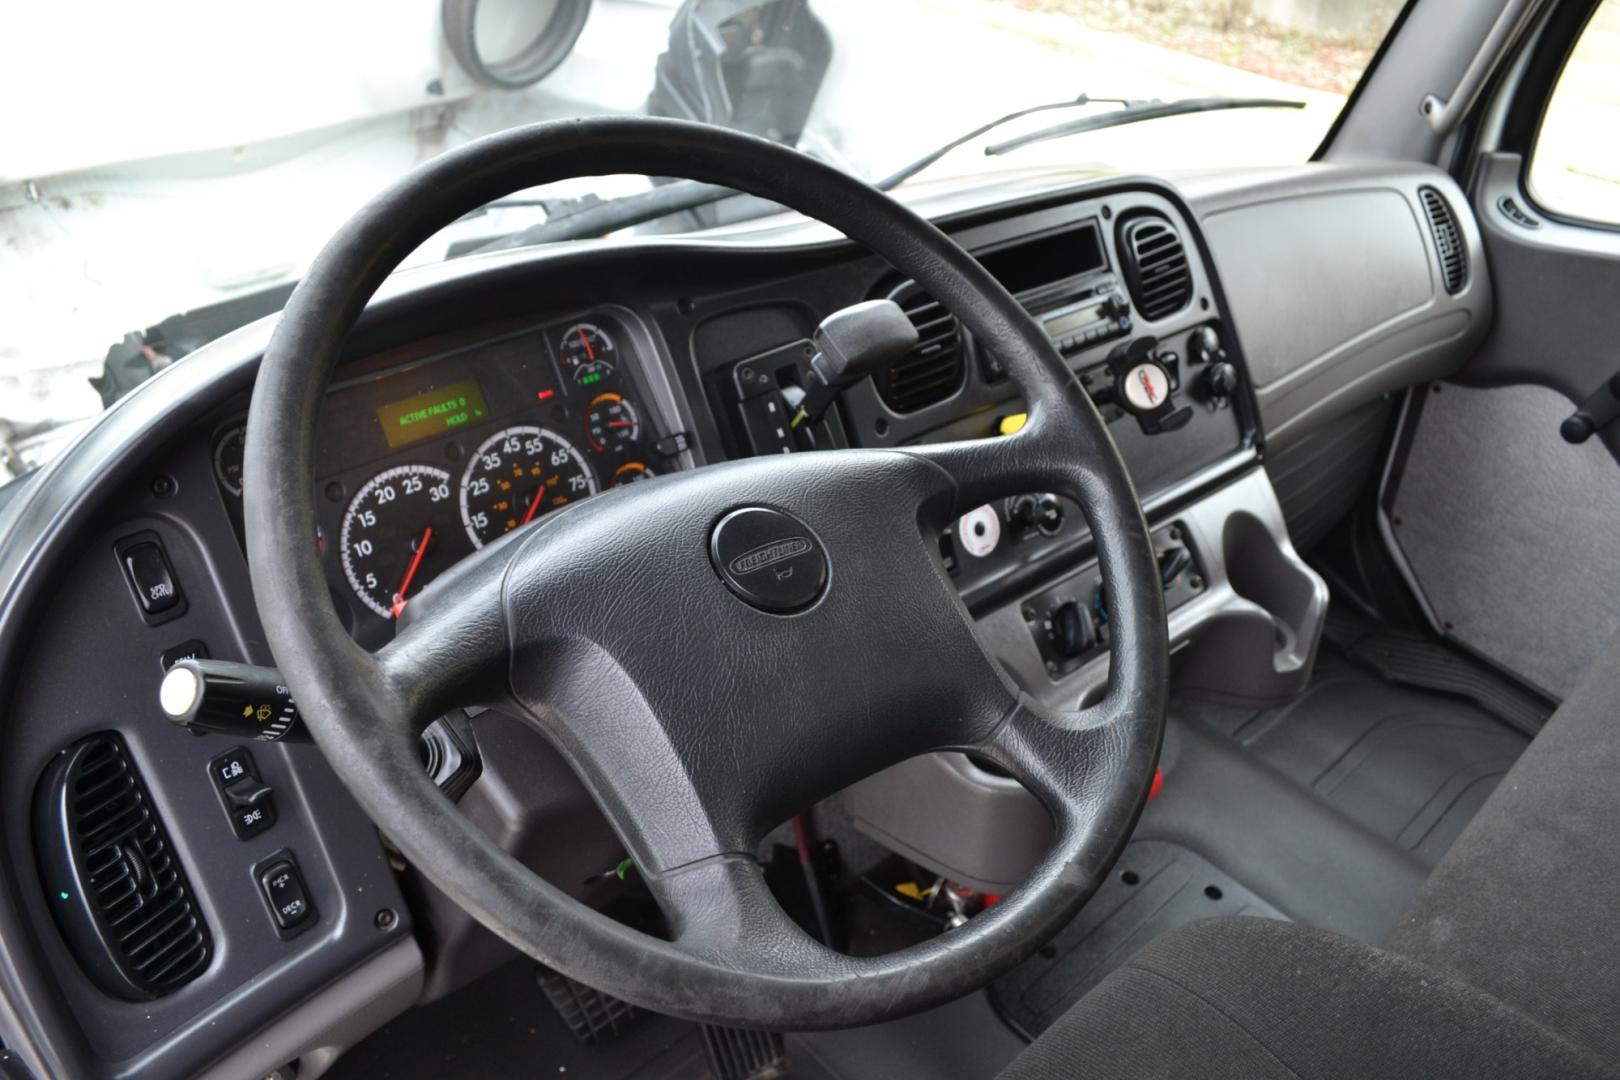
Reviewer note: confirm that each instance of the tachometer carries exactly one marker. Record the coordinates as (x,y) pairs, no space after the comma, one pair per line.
(587,353)
(611,422)
(398,534)
(517,474)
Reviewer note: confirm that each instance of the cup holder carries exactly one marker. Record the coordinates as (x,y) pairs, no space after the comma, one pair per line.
(1259,648)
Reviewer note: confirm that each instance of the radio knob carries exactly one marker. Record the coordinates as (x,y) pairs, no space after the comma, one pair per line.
(1219,382)
(1204,345)
(1116,305)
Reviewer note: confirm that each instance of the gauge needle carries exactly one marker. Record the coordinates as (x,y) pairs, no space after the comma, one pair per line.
(590,353)
(621,423)
(534,504)
(416,561)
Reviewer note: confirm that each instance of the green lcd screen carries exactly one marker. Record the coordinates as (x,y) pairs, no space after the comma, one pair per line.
(433,412)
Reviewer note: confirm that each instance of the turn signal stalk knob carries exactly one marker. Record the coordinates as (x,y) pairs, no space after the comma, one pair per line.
(239,700)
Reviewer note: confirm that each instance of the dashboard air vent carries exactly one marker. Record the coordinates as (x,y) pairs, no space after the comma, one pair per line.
(1155,265)
(1448,241)
(111,875)
(932,371)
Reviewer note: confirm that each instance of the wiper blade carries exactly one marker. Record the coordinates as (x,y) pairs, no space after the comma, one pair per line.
(594,219)
(899,177)
(601,218)
(1135,112)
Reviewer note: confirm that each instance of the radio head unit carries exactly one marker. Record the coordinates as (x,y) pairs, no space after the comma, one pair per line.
(1090,315)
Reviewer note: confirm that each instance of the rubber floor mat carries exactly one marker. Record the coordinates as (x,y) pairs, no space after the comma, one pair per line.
(1155,887)
(1412,767)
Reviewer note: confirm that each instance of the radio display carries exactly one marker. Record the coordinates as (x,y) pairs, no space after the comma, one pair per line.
(432,412)
(1040,261)
(1059,325)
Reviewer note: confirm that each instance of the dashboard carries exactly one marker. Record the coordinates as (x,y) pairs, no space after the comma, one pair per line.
(480,395)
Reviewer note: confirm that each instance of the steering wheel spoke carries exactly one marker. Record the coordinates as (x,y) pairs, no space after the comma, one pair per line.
(1066,759)
(722,910)
(451,648)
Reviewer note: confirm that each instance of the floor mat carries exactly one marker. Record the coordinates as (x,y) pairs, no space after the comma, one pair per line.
(1155,887)
(1330,811)
(1412,767)
(501,1025)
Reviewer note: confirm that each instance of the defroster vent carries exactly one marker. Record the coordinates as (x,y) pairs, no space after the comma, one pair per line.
(1448,241)
(931,372)
(112,878)
(1155,262)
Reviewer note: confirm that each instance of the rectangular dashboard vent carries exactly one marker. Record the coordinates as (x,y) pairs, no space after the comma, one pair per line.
(933,370)
(111,875)
(1448,242)
(1155,263)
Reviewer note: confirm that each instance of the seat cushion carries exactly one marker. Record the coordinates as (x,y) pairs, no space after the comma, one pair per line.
(1526,904)
(1255,998)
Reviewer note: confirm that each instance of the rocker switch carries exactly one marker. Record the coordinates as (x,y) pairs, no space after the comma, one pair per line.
(284,893)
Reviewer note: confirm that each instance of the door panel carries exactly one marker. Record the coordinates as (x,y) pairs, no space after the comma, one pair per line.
(1558,294)
(1510,535)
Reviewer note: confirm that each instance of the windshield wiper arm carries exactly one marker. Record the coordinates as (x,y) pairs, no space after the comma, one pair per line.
(1135,112)
(601,218)
(895,179)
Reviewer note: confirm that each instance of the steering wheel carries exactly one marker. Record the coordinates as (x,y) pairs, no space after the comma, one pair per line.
(719,649)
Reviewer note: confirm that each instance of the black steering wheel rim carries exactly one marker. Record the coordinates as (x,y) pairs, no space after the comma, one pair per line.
(733,961)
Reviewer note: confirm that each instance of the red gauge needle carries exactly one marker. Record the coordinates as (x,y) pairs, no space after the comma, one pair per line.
(621,423)
(421,549)
(534,504)
(590,353)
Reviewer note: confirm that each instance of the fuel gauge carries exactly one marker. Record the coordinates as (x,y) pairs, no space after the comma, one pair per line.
(629,473)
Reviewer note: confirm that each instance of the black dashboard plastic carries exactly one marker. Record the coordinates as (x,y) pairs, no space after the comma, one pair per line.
(692,310)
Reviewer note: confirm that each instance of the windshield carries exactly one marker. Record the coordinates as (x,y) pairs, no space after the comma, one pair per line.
(193,156)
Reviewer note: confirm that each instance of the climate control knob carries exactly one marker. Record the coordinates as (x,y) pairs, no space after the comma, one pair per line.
(1043,512)
(1071,630)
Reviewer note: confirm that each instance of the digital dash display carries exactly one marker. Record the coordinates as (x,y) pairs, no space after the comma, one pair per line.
(432,412)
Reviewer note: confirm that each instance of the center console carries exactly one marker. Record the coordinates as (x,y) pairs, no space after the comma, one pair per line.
(1124,290)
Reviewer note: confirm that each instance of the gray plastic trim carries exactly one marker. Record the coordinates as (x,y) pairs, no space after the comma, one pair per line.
(1336,309)
(1444,114)
(1250,637)
(332,1020)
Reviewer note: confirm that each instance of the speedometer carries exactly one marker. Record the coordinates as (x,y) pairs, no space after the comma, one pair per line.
(517,474)
(398,534)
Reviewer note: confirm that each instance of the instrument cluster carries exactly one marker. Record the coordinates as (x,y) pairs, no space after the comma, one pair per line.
(432,457)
